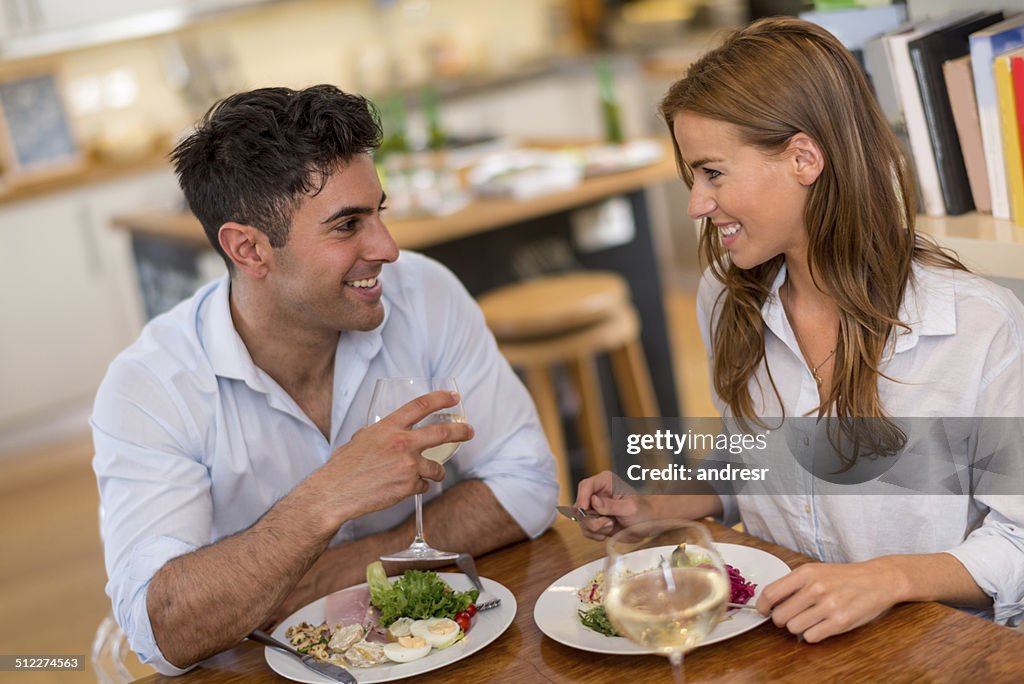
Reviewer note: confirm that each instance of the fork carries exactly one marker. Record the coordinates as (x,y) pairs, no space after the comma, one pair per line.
(485,600)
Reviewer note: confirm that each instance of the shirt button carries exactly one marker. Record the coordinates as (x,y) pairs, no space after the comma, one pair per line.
(807,508)
(806,441)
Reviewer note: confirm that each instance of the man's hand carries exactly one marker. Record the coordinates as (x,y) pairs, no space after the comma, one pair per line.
(382,463)
(819,600)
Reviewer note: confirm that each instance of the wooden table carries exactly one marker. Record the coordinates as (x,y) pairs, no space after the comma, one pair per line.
(924,642)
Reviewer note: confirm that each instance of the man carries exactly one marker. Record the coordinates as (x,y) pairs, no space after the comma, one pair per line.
(238,480)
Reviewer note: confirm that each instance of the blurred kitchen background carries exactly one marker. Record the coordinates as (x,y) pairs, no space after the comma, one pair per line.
(95,240)
(133,75)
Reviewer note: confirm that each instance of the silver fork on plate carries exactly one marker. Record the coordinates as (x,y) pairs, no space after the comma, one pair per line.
(485,600)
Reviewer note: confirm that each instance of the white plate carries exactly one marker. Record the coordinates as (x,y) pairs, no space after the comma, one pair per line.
(487,626)
(555,610)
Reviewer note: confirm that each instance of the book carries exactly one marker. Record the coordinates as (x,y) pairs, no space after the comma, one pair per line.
(1005,97)
(927,55)
(879,69)
(1017,77)
(960,86)
(985,45)
(896,44)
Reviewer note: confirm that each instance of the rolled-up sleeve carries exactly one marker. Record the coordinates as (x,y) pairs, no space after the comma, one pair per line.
(994,555)
(994,552)
(509,452)
(154,498)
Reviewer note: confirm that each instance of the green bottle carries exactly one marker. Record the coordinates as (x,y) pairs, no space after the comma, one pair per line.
(436,138)
(393,123)
(609,103)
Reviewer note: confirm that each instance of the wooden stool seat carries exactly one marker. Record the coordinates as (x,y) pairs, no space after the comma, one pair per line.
(568,320)
(619,327)
(552,304)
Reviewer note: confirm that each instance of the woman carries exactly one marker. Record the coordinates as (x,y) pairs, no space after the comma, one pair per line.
(821,300)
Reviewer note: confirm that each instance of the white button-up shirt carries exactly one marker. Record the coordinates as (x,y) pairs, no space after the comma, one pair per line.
(194,442)
(962,357)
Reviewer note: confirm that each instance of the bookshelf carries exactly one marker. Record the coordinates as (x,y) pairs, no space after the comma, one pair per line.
(987,245)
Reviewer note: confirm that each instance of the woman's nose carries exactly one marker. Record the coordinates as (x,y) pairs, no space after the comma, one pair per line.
(701,203)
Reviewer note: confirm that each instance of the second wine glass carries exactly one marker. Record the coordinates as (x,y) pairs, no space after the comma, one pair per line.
(665,586)
(389,394)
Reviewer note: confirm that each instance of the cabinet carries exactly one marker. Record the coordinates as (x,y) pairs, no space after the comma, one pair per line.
(28,17)
(14,18)
(68,297)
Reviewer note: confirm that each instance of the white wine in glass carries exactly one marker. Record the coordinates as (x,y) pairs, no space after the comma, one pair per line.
(442,452)
(389,394)
(665,586)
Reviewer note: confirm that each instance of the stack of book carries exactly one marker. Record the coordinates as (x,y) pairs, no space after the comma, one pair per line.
(952,88)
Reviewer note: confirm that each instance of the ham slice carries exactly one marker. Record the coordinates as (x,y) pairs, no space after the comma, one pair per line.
(375,634)
(352,607)
(348,607)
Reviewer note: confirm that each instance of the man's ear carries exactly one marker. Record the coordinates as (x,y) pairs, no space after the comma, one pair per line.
(247,247)
(808,160)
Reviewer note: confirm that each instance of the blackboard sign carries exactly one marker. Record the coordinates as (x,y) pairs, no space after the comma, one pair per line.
(38,135)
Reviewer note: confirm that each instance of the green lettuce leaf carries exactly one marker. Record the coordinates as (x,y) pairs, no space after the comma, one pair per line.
(416,594)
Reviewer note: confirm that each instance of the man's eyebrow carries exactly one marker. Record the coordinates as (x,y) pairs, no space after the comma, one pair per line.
(355,210)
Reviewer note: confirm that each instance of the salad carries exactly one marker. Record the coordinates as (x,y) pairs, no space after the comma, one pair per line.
(591,595)
(400,622)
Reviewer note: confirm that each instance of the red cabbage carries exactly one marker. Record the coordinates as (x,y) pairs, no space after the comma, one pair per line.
(741,589)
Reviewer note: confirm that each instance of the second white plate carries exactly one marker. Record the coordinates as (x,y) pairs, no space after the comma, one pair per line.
(555,610)
(487,626)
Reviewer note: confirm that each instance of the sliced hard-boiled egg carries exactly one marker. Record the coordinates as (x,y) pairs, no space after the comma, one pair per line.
(406,649)
(438,632)
(400,627)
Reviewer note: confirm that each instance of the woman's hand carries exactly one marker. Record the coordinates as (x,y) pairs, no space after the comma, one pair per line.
(619,505)
(819,600)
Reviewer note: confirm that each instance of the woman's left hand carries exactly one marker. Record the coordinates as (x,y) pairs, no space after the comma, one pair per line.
(819,600)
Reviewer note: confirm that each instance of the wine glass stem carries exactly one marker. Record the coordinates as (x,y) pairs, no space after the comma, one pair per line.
(419,521)
(677,667)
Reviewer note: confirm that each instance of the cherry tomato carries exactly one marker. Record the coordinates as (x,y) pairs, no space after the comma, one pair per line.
(471,610)
(463,619)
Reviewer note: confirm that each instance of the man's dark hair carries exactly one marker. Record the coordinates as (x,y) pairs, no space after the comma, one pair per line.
(254,155)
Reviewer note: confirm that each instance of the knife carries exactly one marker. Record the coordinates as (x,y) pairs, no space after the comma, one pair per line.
(575,513)
(336,673)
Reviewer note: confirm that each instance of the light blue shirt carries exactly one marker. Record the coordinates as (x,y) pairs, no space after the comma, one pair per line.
(194,442)
(963,356)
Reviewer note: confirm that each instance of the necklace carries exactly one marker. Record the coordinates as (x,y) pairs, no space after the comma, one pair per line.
(814,369)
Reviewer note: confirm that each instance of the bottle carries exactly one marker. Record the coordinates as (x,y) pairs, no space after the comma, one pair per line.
(393,123)
(609,103)
(436,138)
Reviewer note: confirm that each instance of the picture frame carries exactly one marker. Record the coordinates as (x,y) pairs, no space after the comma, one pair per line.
(38,139)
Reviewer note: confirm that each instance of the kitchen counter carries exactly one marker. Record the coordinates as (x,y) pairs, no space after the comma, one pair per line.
(418,233)
(89,172)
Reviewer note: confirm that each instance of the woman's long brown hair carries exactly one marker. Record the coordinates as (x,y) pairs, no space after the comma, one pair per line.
(774,79)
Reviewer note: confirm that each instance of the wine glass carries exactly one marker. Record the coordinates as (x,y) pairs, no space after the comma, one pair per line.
(665,586)
(389,394)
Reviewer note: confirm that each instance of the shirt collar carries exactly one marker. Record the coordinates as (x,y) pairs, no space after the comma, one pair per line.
(928,308)
(230,358)
(224,347)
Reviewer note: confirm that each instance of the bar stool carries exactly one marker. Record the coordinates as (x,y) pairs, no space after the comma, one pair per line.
(568,319)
